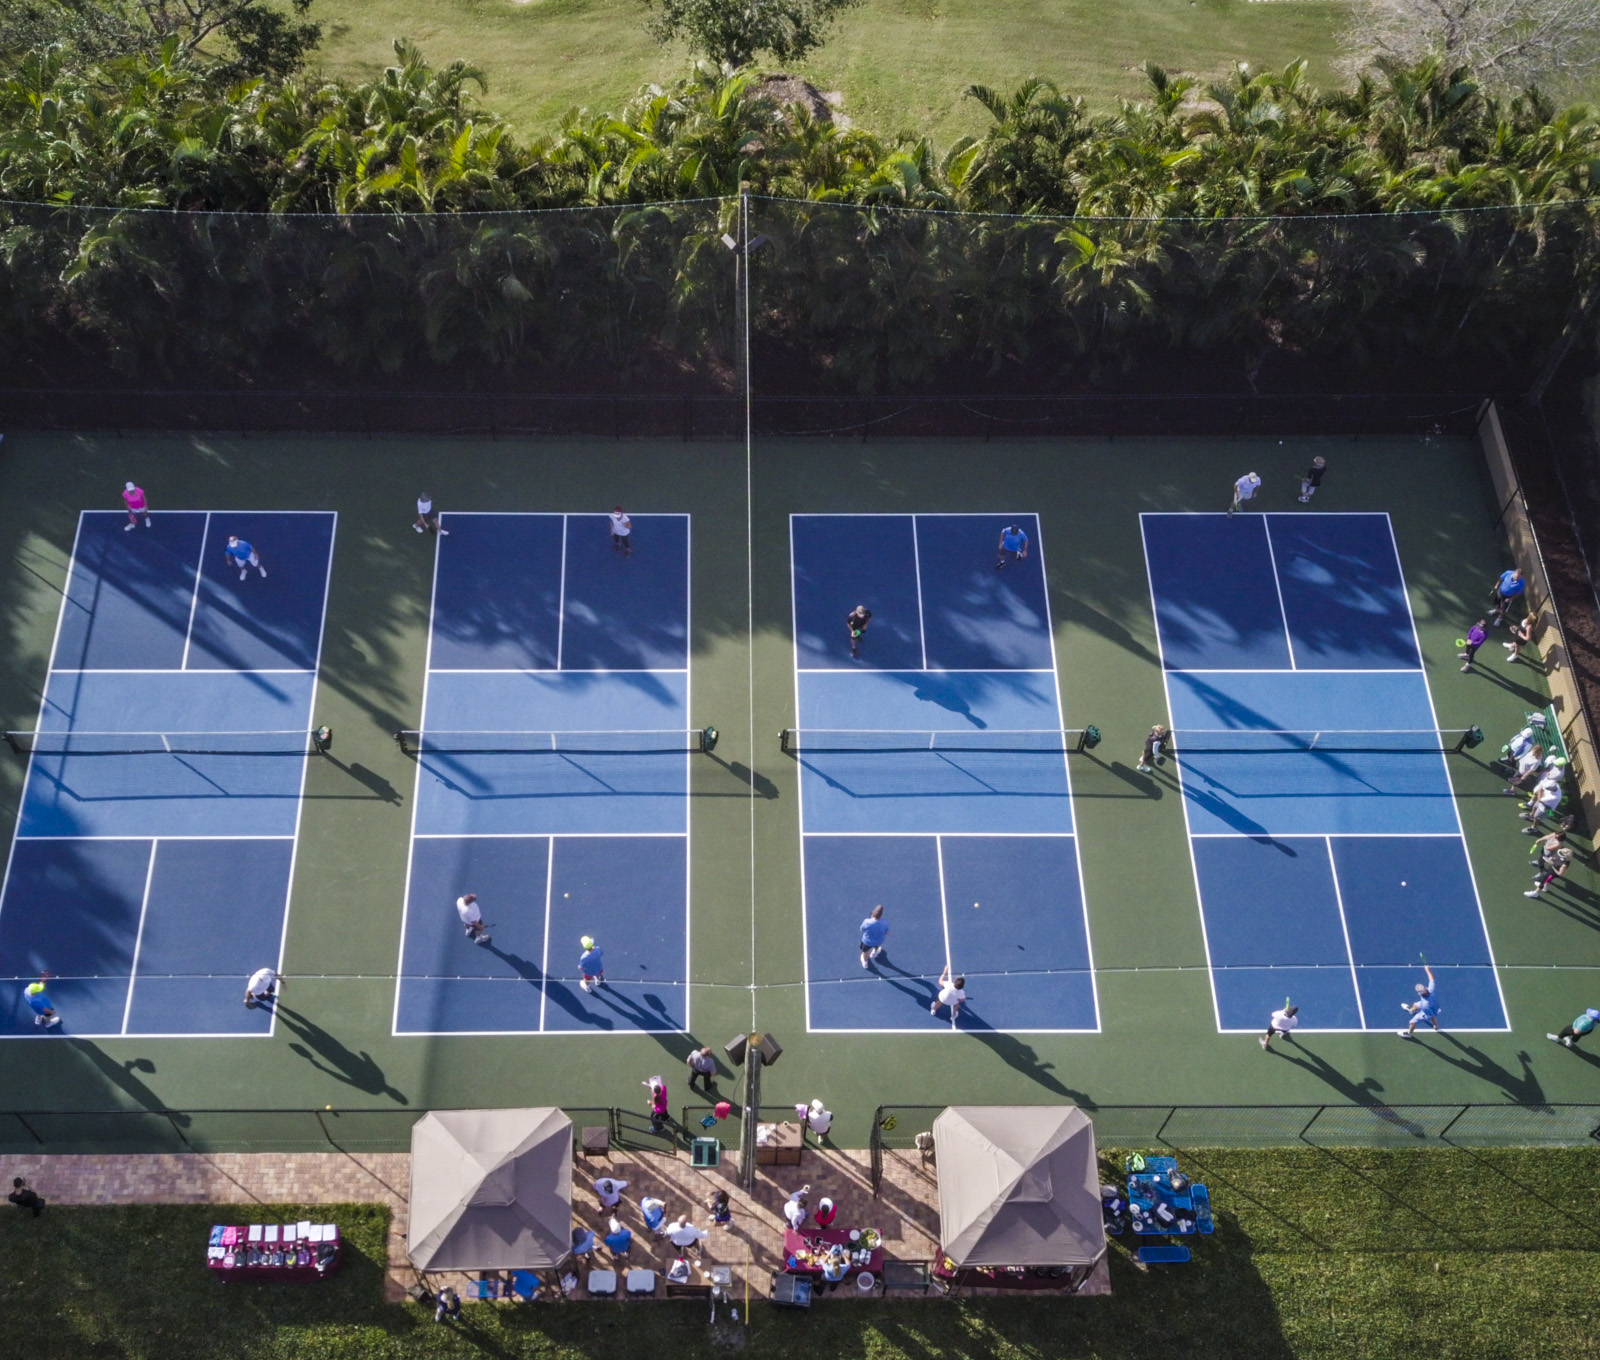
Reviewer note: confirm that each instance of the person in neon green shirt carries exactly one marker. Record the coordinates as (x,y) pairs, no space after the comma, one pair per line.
(39,1003)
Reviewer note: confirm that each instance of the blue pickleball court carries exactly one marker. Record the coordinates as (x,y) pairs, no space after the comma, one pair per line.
(1328,850)
(552,779)
(924,787)
(149,880)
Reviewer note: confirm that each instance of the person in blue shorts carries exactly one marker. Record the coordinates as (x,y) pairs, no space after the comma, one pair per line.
(591,965)
(1425,1007)
(873,933)
(39,1003)
(240,554)
(1013,546)
(1509,587)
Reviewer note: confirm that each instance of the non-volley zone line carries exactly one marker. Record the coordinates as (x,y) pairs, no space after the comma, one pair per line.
(1326,872)
(161,806)
(552,780)
(929,827)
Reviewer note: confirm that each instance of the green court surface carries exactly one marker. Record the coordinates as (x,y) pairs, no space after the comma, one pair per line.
(1158,1041)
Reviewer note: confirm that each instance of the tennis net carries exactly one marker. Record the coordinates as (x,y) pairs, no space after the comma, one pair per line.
(1035,740)
(1275,741)
(642,742)
(80,743)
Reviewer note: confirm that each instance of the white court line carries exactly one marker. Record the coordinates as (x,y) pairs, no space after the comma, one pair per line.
(561,601)
(1295,670)
(194,595)
(564,670)
(164,837)
(544,955)
(178,670)
(935,670)
(884,1029)
(516,1033)
(138,937)
(1444,765)
(944,920)
(953,835)
(688,772)
(1277,585)
(416,790)
(1325,835)
(1344,926)
(916,566)
(1183,787)
(535,835)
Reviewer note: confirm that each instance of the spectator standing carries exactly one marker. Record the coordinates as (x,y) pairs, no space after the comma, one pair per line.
(815,1117)
(702,1068)
(660,1112)
(794,1208)
(1313,478)
(1155,749)
(720,1209)
(685,1236)
(617,1239)
(1476,636)
(1508,588)
(582,1240)
(1570,1034)
(609,1191)
(447,1306)
(827,1211)
(654,1212)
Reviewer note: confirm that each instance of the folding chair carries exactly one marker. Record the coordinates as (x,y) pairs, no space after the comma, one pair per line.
(524,1284)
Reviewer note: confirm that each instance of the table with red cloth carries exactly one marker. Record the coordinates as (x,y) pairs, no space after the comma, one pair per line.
(814,1241)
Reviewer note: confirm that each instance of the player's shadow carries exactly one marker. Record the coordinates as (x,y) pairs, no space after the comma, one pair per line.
(918,988)
(763,786)
(1524,1088)
(1016,1054)
(1363,1092)
(380,786)
(1153,785)
(122,1074)
(945,694)
(1531,697)
(1226,812)
(328,1055)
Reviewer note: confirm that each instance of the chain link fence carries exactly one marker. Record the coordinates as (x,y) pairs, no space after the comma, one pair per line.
(897,1127)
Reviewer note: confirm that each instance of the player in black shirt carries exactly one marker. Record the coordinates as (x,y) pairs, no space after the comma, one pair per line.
(1313,478)
(856,621)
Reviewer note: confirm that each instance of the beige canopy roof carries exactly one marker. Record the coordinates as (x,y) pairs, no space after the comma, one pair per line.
(1018,1186)
(490,1189)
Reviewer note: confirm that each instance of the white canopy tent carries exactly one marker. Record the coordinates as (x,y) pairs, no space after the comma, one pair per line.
(1018,1186)
(490,1190)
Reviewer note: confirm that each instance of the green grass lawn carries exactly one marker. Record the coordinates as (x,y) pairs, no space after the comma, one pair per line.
(1319,1253)
(900,64)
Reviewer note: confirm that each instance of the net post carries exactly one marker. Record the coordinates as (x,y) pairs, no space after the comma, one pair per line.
(783,741)
(400,741)
(11,741)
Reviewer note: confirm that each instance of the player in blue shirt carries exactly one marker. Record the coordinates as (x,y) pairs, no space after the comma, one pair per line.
(39,1003)
(592,964)
(240,554)
(1508,588)
(1425,1007)
(873,933)
(1013,546)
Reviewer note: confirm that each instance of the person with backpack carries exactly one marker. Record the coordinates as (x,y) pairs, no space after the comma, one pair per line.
(1570,1034)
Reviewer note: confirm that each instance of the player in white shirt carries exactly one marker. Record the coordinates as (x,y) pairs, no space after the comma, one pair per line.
(1281,1023)
(1243,490)
(427,520)
(951,994)
(264,985)
(621,531)
(472,918)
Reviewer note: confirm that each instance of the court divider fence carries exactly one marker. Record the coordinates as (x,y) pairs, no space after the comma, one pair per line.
(1146,1127)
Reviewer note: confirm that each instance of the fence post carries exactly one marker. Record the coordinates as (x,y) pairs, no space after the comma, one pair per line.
(752,1116)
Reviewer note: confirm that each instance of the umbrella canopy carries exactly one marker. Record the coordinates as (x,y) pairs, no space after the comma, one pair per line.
(1018,1186)
(490,1189)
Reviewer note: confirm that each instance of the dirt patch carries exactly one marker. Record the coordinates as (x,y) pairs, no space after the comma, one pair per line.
(786,90)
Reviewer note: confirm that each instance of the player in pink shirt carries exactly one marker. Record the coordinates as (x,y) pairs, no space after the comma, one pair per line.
(133,497)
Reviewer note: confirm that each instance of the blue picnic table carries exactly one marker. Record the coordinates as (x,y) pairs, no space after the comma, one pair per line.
(1161,1207)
